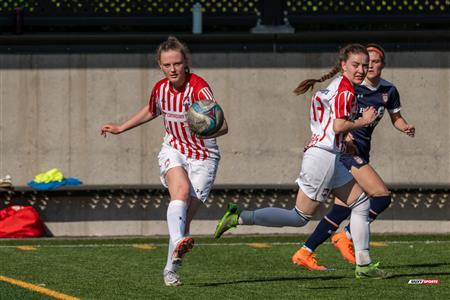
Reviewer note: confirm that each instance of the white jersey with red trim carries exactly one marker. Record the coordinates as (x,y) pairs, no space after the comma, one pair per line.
(173,105)
(337,101)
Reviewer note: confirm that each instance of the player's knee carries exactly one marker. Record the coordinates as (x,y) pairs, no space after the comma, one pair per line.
(338,214)
(380,192)
(179,190)
(302,218)
(379,203)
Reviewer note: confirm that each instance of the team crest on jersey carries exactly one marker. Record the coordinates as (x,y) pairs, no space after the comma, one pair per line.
(385,97)
(186,103)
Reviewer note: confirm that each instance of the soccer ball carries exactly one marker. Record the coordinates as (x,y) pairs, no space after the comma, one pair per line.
(205,117)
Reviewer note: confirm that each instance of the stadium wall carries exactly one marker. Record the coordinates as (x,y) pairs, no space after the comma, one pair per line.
(52,107)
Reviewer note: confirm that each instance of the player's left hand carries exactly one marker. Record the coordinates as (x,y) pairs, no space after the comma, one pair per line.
(200,137)
(410,130)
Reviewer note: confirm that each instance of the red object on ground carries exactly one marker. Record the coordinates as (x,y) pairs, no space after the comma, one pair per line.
(18,221)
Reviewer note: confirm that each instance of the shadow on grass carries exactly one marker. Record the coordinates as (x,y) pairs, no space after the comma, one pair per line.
(419,274)
(432,265)
(274,279)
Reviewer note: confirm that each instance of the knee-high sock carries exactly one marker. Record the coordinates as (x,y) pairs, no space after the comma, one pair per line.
(176,219)
(169,265)
(359,224)
(327,226)
(378,204)
(274,217)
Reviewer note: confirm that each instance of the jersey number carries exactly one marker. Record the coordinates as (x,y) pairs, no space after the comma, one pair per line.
(317,108)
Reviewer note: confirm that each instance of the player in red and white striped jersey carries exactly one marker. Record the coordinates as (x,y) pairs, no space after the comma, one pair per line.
(383,96)
(332,116)
(337,101)
(188,164)
(173,104)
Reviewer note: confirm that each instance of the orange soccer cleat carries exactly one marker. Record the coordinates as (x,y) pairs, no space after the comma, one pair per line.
(344,245)
(183,246)
(307,259)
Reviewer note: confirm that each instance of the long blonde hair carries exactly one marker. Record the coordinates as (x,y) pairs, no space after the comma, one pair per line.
(344,53)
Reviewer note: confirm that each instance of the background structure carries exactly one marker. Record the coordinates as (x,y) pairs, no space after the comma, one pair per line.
(67,67)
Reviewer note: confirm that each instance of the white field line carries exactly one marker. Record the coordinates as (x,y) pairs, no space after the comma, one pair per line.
(205,244)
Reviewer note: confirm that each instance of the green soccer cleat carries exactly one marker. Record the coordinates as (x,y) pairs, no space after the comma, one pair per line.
(229,220)
(371,271)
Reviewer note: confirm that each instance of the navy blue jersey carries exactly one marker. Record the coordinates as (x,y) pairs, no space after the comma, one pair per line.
(384,96)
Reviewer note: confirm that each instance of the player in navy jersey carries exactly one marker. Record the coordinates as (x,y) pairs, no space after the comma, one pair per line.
(383,96)
(332,115)
(188,163)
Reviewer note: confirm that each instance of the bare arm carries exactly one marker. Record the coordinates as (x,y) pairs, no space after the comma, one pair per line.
(222,131)
(400,123)
(344,126)
(141,117)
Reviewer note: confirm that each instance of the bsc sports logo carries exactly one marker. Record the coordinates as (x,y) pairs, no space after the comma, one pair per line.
(424,281)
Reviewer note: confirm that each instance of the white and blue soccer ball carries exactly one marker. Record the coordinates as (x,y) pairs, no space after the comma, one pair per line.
(205,117)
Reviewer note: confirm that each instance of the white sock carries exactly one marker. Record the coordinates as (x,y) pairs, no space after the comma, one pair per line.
(169,265)
(347,233)
(360,229)
(274,217)
(176,219)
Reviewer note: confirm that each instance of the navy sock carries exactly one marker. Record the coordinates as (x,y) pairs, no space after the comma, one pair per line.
(378,204)
(326,228)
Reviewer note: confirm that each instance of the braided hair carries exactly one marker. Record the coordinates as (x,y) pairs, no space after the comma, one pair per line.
(344,53)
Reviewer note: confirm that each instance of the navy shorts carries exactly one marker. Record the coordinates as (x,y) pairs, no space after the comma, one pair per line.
(350,161)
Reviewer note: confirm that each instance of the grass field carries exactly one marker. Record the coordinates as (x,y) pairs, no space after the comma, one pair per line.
(230,268)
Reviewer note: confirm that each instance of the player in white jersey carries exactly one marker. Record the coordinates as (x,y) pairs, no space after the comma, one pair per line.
(383,96)
(188,163)
(332,114)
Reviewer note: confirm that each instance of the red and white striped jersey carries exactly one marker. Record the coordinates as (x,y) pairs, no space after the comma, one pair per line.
(173,105)
(337,101)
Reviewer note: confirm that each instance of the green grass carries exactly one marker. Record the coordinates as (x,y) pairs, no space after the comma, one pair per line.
(223,269)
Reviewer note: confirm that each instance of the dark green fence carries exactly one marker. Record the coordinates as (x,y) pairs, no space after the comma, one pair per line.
(218,15)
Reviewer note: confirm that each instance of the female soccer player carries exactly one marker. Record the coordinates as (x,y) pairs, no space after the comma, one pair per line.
(332,115)
(382,95)
(188,163)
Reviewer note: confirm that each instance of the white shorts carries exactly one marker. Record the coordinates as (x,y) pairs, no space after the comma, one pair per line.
(321,172)
(201,173)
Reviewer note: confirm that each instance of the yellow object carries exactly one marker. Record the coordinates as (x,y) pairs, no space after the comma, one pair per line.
(51,175)
(144,246)
(26,248)
(378,244)
(259,245)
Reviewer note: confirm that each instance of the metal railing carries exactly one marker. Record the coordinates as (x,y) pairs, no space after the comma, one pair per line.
(88,203)
(219,15)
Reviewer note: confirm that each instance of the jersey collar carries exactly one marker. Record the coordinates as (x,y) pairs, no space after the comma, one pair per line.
(365,84)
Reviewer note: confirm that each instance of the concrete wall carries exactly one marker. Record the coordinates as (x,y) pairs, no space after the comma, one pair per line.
(52,107)
(206,227)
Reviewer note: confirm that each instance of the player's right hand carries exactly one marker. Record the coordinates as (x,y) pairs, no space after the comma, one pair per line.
(369,115)
(109,128)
